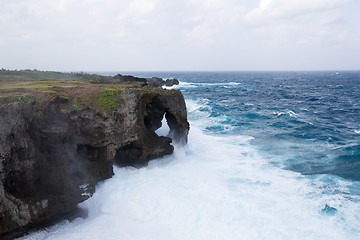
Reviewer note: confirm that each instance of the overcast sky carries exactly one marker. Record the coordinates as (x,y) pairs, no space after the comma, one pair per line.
(156,35)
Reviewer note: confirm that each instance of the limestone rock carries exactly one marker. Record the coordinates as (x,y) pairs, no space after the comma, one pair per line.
(159,82)
(51,158)
(128,78)
(171,82)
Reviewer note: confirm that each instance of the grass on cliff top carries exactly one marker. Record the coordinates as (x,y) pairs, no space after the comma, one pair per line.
(77,93)
(31,75)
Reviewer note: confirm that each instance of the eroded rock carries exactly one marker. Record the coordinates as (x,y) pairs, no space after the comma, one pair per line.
(159,82)
(51,158)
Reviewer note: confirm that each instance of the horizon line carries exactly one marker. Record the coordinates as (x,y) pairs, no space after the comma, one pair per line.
(144,71)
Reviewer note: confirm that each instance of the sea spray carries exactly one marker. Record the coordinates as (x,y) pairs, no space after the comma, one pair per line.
(215,188)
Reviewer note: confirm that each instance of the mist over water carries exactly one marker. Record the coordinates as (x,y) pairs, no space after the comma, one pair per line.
(262,162)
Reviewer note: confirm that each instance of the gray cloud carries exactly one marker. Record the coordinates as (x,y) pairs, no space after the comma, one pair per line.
(92,35)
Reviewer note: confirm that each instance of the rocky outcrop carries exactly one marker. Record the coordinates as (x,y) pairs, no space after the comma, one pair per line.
(129,78)
(154,81)
(171,82)
(52,157)
(159,82)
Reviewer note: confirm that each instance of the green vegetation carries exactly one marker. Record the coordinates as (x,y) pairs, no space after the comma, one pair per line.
(78,104)
(28,75)
(109,97)
(76,90)
(10,99)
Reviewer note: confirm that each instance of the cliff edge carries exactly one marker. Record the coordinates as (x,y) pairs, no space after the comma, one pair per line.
(56,144)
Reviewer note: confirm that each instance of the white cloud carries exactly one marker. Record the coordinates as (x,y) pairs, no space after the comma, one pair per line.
(172,35)
(139,10)
(291,8)
(139,7)
(299,23)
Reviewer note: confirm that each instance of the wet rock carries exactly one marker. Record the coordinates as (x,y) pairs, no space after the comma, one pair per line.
(159,82)
(132,79)
(327,210)
(171,82)
(155,82)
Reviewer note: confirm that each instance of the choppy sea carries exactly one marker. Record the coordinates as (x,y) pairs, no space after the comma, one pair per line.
(271,155)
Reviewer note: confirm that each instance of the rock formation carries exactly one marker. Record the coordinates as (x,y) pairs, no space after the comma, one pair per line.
(158,82)
(171,82)
(154,81)
(51,157)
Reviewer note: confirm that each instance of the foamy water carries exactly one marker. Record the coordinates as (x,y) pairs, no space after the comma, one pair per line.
(214,188)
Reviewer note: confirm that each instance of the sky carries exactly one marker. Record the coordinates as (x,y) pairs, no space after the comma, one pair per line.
(180,35)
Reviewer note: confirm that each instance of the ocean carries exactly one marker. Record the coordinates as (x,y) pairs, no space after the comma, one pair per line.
(271,155)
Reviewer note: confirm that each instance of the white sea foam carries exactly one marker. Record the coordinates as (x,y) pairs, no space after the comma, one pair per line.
(186,85)
(289,113)
(164,129)
(199,110)
(192,105)
(169,87)
(181,85)
(200,113)
(214,188)
(196,85)
(357,131)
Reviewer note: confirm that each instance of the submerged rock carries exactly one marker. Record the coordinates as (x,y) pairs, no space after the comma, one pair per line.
(330,211)
(51,157)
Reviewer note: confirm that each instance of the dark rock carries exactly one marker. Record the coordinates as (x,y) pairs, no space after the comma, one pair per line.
(51,158)
(132,79)
(171,82)
(330,211)
(155,82)
(159,82)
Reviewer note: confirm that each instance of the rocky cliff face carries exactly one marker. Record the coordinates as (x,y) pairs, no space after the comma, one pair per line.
(52,157)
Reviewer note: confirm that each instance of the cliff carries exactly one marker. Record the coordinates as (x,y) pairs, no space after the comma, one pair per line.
(56,144)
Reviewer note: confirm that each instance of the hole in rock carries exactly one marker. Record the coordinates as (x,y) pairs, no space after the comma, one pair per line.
(154,113)
(129,155)
(164,129)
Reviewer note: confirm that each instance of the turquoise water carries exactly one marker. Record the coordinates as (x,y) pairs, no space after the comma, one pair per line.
(271,155)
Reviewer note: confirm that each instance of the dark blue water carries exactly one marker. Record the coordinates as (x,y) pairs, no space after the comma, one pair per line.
(308,122)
